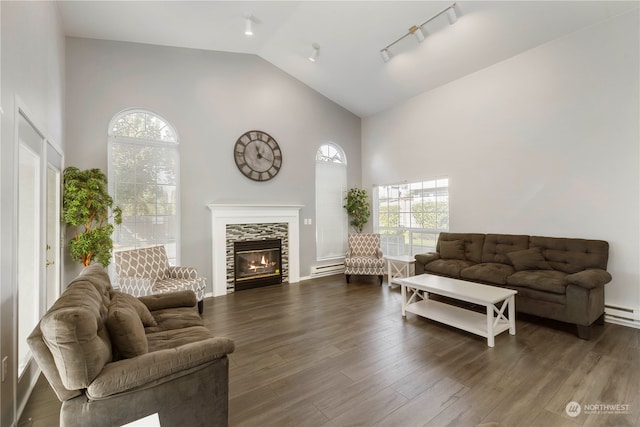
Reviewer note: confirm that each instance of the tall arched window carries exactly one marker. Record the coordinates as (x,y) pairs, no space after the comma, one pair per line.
(331,187)
(144,173)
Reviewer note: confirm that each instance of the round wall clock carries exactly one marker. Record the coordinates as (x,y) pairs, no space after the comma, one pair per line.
(258,155)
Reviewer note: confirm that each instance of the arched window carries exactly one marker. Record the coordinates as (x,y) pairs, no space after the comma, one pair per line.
(331,187)
(144,171)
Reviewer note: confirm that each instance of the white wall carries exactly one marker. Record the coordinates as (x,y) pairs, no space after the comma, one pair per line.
(33,73)
(545,143)
(211,98)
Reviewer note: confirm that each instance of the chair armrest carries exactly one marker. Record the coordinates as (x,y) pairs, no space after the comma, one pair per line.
(427,258)
(136,286)
(176,272)
(151,368)
(590,278)
(186,298)
(379,253)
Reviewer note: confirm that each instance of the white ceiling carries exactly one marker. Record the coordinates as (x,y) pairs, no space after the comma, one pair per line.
(349,69)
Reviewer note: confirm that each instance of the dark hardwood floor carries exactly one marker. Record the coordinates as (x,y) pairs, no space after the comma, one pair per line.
(324,353)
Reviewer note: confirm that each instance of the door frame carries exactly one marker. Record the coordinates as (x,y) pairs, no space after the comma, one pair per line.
(24,384)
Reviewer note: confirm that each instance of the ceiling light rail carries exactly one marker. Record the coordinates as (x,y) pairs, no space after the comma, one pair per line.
(417,31)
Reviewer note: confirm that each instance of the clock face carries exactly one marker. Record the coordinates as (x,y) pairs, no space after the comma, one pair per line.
(258,155)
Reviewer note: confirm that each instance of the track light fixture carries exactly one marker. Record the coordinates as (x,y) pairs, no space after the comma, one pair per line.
(315,51)
(385,55)
(452,16)
(418,32)
(248,26)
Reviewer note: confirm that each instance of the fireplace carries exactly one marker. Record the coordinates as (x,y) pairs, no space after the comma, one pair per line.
(257,263)
(228,224)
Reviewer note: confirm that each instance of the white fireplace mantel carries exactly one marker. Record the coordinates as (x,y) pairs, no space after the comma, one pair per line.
(236,213)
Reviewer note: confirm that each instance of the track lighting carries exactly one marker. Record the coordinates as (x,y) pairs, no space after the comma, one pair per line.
(315,51)
(451,15)
(385,55)
(248,26)
(418,32)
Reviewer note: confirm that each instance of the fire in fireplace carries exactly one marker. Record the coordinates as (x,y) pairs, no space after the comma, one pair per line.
(257,263)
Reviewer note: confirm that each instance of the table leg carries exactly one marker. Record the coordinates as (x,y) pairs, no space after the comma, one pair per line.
(512,315)
(490,335)
(403,290)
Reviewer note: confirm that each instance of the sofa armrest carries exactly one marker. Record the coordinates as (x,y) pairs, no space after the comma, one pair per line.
(186,298)
(427,258)
(176,272)
(151,368)
(590,278)
(136,286)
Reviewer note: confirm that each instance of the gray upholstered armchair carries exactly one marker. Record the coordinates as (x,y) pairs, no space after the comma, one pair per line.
(364,256)
(112,358)
(146,271)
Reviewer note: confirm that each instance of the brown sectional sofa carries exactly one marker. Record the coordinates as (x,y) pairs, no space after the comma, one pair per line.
(112,358)
(556,278)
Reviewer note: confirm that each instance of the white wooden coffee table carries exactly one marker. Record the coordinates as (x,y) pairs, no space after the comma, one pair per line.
(415,299)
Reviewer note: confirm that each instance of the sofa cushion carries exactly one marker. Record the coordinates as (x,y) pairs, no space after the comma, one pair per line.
(73,330)
(572,255)
(176,337)
(472,244)
(488,272)
(126,329)
(452,250)
(174,318)
(530,259)
(142,310)
(497,246)
(447,267)
(542,280)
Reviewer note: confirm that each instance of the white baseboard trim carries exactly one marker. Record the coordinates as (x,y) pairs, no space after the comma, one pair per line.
(625,316)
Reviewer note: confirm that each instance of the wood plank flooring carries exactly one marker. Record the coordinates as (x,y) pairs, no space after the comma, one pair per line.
(326,353)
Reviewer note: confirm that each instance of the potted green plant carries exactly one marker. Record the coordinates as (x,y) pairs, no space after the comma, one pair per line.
(85,207)
(357,206)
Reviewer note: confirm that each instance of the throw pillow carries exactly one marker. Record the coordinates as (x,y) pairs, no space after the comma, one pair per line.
(126,329)
(529,259)
(140,308)
(453,249)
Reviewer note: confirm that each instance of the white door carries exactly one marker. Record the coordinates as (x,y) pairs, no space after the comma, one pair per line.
(52,243)
(38,240)
(29,228)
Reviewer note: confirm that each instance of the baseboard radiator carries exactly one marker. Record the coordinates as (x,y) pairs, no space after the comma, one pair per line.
(622,315)
(327,269)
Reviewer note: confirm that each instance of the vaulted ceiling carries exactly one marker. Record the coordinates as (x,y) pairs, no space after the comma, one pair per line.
(349,69)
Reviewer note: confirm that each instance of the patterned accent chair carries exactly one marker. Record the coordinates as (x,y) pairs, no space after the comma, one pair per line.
(146,271)
(364,256)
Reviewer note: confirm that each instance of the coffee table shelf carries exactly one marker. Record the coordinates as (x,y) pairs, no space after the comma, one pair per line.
(460,318)
(498,302)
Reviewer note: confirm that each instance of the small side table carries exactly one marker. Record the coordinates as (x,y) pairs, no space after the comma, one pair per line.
(399,267)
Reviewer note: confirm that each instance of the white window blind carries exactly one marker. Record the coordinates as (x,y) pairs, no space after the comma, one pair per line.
(331,187)
(144,179)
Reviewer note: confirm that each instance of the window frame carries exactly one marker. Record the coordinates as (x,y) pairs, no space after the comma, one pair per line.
(145,142)
(413,232)
(322,161)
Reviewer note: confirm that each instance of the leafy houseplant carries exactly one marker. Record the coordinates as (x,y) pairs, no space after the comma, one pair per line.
(357,206)
(85,207)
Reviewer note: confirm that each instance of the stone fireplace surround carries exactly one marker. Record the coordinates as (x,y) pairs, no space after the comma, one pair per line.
(225,214)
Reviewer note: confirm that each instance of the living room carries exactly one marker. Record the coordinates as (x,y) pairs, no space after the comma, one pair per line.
(544,141)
